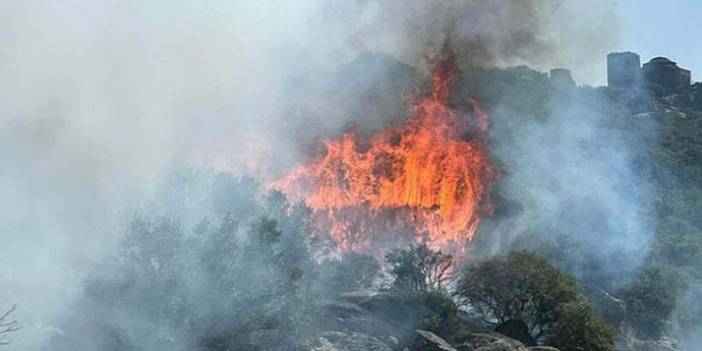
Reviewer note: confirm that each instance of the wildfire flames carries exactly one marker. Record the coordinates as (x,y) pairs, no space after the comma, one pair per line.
(431,174)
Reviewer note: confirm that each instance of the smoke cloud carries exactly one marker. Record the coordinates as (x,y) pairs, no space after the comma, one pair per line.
(99,101)
(541,34)
(575,188)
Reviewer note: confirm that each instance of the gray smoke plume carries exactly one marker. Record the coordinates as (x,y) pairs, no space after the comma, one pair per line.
(541,34)
(99,100)
(576,187)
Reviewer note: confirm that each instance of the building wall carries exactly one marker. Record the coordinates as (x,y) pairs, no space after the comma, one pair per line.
(686,76)
(665,73)
(623,69)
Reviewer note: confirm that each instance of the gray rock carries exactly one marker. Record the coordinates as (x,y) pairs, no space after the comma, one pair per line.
(490,341)
(338,341)
(431,342)
(347,317)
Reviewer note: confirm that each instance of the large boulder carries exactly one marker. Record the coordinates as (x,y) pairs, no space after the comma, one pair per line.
(473,341)
(345,317)
(490,341)
(405,322)
(428,341)
(410,311)
(338,341)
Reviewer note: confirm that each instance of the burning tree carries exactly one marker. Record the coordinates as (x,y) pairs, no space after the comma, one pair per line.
(433,171)
(419,269)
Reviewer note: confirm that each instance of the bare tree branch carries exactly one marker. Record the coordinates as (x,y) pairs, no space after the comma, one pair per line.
(8,326)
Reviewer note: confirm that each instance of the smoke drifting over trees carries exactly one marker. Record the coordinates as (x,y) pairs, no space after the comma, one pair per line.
(117,108)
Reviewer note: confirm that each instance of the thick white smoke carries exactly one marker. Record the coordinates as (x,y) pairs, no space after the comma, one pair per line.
(97,99)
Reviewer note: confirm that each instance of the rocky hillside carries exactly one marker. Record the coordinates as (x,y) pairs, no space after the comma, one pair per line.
(386,321)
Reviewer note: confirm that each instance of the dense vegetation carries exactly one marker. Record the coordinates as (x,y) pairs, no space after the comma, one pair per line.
(662,133)
(524,287)
(249,281)
(255,275)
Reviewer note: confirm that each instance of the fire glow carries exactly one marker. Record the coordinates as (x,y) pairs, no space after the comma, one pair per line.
(433,173)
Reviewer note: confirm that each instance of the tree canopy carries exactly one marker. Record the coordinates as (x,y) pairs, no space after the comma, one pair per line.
(523,286)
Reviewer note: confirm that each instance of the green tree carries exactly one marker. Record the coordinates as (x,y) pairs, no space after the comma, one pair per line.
(578,328)
(217,286)
(523,286)
(520,286)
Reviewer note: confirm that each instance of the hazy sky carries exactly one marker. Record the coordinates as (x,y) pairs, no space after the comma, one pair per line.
(663,28)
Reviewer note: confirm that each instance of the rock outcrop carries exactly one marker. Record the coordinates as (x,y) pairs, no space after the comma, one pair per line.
(388,322)
(338,341)
(429,341)
(490,341)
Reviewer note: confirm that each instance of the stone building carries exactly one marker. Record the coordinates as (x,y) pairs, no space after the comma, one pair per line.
(623,69)
(665,73)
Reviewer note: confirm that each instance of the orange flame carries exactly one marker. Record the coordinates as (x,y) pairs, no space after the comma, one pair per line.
(433,171)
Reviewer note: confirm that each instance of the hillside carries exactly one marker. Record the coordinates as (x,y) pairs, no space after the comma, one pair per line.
(605,209)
